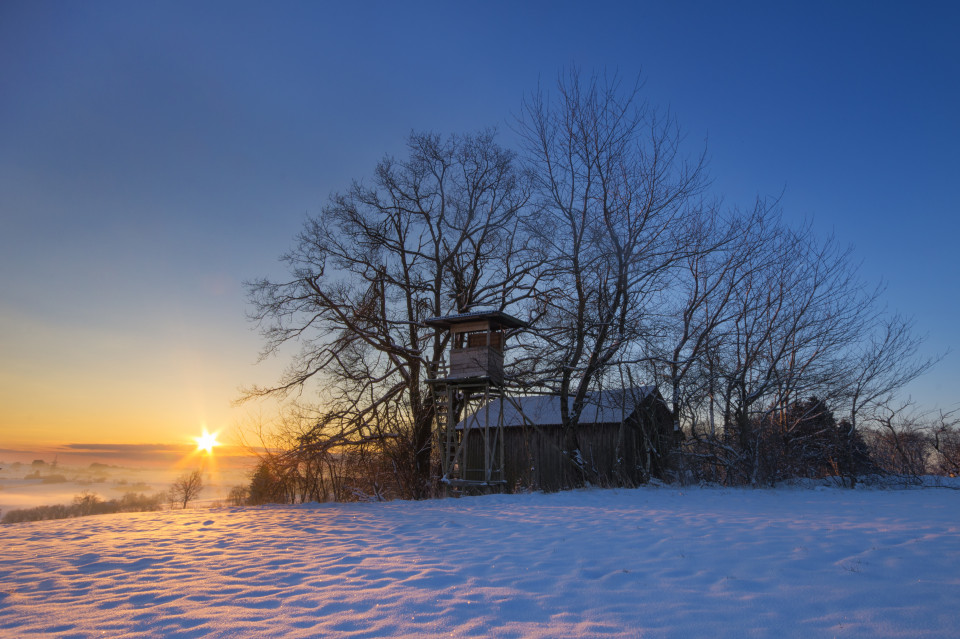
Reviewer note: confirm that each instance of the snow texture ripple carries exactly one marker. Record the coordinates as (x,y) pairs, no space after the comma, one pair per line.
(652,562)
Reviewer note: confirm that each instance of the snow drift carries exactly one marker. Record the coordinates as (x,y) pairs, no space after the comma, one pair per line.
(651,562)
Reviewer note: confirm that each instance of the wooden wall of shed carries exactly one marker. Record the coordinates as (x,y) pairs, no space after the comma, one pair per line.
(610,451)
(533,457)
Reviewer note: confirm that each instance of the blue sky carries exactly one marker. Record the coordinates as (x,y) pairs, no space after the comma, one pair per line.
(154,155)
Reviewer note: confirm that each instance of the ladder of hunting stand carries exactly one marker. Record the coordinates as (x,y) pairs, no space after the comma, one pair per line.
(446,429)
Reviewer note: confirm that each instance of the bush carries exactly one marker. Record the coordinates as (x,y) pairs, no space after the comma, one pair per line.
(266,486)
(802,440)
(84,504)
(239,496)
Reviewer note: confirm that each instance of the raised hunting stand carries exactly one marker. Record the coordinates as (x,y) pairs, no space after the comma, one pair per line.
(475,378)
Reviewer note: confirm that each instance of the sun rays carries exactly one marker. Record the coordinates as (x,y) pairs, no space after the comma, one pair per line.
(205,452)
(206,442)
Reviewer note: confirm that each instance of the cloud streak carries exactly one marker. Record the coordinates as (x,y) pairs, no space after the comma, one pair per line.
(152,455)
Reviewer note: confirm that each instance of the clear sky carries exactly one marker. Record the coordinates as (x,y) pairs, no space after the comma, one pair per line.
(154,155)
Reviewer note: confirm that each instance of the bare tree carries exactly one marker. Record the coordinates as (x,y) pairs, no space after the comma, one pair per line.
(908,441)
(186,488)
(883,363)
(760,324)
(438,232)
(603,242)
(900,440)
(612,188)
(308,454)
(946,441)
(699,304)
(799,312)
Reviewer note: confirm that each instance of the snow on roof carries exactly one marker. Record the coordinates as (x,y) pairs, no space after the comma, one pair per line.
(498,317)
(602,407)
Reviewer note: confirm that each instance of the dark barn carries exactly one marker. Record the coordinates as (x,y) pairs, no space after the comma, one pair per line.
(625,436)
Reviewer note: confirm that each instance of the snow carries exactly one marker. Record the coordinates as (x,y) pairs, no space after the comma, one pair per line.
(603,407)
(651,562)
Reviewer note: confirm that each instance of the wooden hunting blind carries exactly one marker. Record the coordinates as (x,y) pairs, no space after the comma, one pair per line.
(474,378)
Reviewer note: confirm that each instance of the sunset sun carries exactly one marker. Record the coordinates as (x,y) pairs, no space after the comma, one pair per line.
(206,442)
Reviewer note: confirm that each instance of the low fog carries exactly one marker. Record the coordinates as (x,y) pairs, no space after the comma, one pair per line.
(46,482)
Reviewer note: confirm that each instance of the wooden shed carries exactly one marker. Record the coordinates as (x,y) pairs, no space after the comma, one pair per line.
(625,435)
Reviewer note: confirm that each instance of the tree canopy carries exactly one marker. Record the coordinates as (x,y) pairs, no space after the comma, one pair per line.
(601,233)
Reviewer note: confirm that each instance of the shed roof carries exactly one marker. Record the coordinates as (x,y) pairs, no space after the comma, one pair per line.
(494,316)
(602,407)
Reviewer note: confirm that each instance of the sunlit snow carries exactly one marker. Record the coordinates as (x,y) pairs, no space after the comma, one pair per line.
(651,562)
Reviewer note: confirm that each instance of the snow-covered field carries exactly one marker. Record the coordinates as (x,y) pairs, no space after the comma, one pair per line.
(652,562)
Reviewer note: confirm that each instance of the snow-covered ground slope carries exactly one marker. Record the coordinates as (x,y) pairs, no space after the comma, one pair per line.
(652,562)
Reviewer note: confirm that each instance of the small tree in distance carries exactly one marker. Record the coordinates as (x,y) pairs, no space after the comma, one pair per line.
(186,488)
(239,496)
